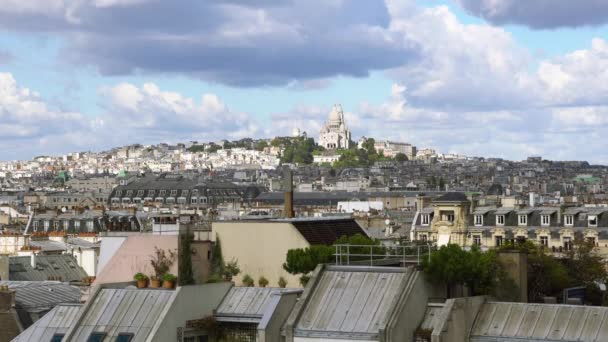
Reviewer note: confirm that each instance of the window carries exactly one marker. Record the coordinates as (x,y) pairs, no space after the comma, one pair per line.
(173,192)
(591,240)
(592,219)
(424,237)
(523,220)
(425,220)
(477,240)
(57,337)
(151,193)
(569,220)
(499,241)
(500,220)
(162,193)
(36,226)
(56,225)
(77,224)
(450,217)
(193,200)
(140,193)
(66,224)
(129,193)
(567,243)
(544,241)
(124,337)
(97,337)
(545,220)
(90,226)
(47,223)
(479,220)
(118,193)
(184,193)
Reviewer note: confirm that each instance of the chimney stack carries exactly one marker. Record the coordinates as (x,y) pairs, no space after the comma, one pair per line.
(33,260)
(532,202)
(288,192)
(7,299)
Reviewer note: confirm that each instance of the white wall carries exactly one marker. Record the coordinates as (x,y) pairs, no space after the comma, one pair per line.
(109,246)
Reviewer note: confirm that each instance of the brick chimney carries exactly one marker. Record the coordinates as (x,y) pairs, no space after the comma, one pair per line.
(4,270)
(7,299)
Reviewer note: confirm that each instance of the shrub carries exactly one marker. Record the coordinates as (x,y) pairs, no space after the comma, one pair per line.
(282,282)
(231,269)
(161,261)
(247,280)
(140,276)
(169,277)
(263,282)
(304,280)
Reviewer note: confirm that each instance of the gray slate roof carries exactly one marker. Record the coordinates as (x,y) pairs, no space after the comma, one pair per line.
(63,266)
(349,303)
(57,321)
(540,322)
(36,296)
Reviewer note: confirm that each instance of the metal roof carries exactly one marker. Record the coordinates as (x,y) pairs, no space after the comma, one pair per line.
(326,232)
(56,321)
(432,317)
(348,302)
(36,296)
(246,303)
(63,266)
(540,322)
(116,311)
(503,211)
(482,210)
(427,210)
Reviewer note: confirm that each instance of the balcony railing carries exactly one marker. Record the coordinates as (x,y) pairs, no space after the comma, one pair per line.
(374,255)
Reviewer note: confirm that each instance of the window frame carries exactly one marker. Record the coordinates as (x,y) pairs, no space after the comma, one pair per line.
(425,219)
(569,218)
(543,240)
(97,336)
(500,218)
(542,220)
(589,224)
(478,220)
(523,222)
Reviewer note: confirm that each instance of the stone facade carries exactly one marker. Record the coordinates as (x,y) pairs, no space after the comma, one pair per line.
(334,134)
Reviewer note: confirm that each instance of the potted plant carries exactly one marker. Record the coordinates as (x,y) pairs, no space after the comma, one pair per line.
(161,262)
(282,282)
(263,282)
(142,280)
(154,282)
(169,281)
(247,281)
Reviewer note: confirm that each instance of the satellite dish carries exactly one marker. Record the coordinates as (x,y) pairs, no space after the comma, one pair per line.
(63,210)
(387,222)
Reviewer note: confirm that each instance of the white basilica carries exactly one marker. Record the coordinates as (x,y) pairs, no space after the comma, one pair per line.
(334,134)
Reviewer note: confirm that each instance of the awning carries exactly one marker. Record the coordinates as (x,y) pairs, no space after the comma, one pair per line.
(444,240)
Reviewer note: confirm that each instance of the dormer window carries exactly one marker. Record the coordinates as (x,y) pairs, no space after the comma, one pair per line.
(569,220)
(592,220)
(479,220)
(118,193)
(173,192)
(500,220)
(140,193)
(545,220)
(150,193)
(129,193)
(425,219)
(162,193)
(523,220)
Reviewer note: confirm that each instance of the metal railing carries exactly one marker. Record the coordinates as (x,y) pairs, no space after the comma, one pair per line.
(374,255)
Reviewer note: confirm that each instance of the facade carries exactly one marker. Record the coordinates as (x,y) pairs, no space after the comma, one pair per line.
(454,222)
(260,246)
(334,134)
(169,189)
(392,148)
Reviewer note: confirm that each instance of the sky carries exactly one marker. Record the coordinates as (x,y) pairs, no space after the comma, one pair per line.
(491,78)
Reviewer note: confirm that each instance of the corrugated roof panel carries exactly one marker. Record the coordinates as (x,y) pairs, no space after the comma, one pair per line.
(116,311)
(540,322)
(56,321)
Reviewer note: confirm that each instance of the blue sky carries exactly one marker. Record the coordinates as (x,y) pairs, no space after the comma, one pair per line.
(502,78)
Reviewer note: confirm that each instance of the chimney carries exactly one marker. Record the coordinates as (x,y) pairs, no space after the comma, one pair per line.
(4,269)
(288,193)
(33,260)
(7,299)
(532,201)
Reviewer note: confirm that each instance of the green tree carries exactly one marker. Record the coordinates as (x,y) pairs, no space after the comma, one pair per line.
(261,145)
(400,157)
(185,276)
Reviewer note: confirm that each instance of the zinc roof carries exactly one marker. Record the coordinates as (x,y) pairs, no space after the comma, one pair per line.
(115,311)
(246,302)
(61,266)
(37,296)
(56,321)
(540,322)
(347,302)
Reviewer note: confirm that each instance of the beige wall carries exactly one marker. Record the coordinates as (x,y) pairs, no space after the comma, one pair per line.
(260,248)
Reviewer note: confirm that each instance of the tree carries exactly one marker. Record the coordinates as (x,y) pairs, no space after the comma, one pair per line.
(400,157)
(261,145)
(479,271)
(185,275)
